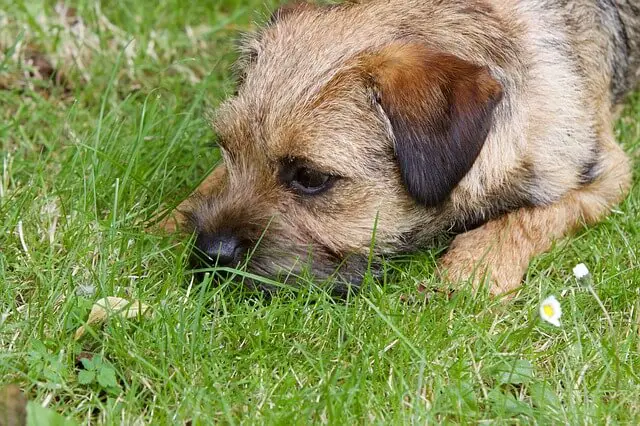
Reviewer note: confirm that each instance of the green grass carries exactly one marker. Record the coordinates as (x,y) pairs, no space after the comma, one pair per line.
(83,167)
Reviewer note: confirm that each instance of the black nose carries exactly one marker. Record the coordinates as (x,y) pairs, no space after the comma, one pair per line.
(218,249)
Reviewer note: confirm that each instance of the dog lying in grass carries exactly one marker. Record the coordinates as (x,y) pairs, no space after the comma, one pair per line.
(410,119)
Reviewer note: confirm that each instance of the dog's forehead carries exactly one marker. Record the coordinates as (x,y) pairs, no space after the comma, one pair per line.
(276,109)
(296,55)
(333,137)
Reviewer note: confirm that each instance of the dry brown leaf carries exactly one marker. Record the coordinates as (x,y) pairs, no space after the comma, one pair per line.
(13,406)
(108,306)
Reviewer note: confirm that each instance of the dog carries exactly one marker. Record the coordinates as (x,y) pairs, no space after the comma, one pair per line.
(372,128)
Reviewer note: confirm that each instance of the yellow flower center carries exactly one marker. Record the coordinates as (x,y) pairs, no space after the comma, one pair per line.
(548,310)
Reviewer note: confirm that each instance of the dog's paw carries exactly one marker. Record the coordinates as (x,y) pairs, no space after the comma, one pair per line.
(471,258)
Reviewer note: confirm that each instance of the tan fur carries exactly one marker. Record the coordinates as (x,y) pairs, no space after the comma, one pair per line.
(502,249)
(209,187)
(433,116)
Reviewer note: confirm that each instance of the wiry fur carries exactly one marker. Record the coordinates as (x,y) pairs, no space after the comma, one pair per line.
(436,116)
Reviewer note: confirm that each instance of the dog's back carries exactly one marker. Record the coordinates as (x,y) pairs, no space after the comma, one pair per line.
(601,38)
(621,20)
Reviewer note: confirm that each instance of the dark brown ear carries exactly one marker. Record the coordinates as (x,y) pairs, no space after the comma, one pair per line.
(440,108)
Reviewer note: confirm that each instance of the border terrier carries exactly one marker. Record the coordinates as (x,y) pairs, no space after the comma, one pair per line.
(370,128)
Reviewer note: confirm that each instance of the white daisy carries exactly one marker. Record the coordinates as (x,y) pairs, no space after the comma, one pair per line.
(550,310)
(580,271)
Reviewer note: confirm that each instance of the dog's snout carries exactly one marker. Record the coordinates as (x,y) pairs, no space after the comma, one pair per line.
(219,249)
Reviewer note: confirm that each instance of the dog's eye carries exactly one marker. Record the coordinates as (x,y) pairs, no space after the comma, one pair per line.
(310,182)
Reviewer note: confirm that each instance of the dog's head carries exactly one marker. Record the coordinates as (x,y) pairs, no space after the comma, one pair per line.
(338,137)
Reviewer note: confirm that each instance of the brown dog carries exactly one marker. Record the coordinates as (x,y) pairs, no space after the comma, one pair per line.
(402,120)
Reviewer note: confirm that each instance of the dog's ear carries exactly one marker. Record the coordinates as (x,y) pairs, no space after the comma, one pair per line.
(440,108)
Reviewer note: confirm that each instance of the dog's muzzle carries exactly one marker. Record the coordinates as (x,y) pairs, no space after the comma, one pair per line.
(218,249)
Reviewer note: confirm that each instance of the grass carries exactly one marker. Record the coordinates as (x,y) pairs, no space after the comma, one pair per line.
(89,154)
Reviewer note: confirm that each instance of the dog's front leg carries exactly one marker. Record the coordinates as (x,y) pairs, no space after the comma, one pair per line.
(500,250)
(212,185)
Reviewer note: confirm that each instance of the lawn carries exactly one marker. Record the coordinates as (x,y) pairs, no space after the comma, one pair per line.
(102,110)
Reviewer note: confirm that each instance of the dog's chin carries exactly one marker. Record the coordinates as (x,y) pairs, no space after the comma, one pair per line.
(273,275)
